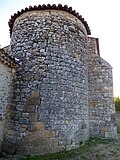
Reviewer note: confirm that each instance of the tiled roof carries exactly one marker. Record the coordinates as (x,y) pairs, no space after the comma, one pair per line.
(45,7)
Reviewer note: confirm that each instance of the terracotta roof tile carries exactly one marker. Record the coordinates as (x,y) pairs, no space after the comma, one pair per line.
(45,7)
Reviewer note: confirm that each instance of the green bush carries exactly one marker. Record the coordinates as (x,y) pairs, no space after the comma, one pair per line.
(117,103)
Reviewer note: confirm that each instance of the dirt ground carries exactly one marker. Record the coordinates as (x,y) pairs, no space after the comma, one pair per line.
(108,151)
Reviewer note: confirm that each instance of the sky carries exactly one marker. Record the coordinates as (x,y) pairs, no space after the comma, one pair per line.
(103,18)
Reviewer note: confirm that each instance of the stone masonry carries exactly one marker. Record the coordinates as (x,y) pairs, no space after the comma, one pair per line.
(6,77)
(61,89)
(101,103)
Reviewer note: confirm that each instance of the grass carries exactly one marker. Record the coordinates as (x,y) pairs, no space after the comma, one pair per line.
(82,152)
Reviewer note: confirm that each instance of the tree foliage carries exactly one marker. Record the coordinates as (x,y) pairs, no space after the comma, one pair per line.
(117,103)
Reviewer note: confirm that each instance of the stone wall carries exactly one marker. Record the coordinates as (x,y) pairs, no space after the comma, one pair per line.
(50,110)
(61,93)
(101,102)
(6,76)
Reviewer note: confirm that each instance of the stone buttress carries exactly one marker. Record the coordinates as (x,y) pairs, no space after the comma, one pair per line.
(100,88)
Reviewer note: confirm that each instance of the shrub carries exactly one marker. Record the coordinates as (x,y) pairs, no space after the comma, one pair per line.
(117,103)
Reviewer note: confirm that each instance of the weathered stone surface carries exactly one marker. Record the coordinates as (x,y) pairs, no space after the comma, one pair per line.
(61,93)
(51,84)
(9,148)
(6,77)
(101,102)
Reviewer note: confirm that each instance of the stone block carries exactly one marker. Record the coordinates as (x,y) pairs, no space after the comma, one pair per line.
(33,101)
(108,135)
(33,117)
(22,129)
(34,98)
(23,120)
(9,148)
(38,126)
(30,108)
(106,128)
(48,134)
(59,148)
(35,94)
(9,132)
(53,141)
